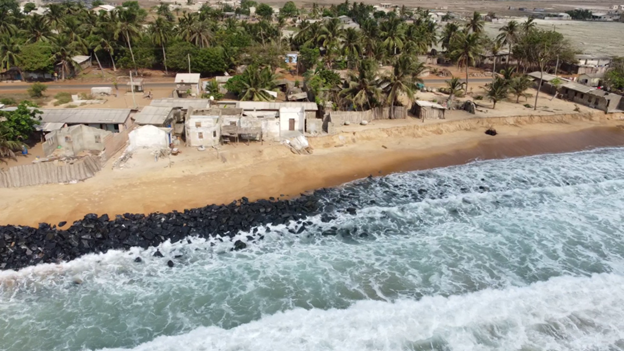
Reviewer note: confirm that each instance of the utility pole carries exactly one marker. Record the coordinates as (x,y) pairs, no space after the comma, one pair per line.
(132,89)
(189,61)
(557,66)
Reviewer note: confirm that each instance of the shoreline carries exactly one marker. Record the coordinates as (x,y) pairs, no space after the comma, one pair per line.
(272,171)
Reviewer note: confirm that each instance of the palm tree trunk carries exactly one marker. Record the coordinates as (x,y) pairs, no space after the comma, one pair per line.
(466,77)
(539,86)
(98,60)
(494,106)
(113,61)
(131,53)
(509,57)
(165,58)
(494,68)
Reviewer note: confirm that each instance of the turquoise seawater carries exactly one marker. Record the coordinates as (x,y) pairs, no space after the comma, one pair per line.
(513,254)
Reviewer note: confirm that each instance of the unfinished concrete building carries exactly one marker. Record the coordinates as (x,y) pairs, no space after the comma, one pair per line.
(71,141)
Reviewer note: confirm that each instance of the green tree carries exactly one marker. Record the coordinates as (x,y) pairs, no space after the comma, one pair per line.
(253,84)
(518,85)
(509,36)
(21,123)
(497,90)
(362,91)
(10,48)
(209,61)
(308,57)
(402,80)
(7,147)
(475,24)
(127,27)
(29,7)
(393,34)
(454,87)
(161,31)
(37,57)
(289,10)
(36,28)
(467,47)
(614,78)
(352,47)
(64,50)
(265,11)
(178,54)
(448,34)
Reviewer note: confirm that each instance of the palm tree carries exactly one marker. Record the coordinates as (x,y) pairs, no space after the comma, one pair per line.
(64,50)
(468,48)
(448,34)
(399,81)
(495,50)
(351,46)
(7,147)
(37,28)
(160,31)
(518,86)
(508,36)
(393,34)
(255,84)
(362,90)
(475,25)
(497,90)
(454,87)
(127,28)
(106,46)
(331,34)
(9,51)
(529,25)
(316,11)
(193,30)
(55,15)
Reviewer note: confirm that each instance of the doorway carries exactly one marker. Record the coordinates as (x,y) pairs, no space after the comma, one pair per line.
(291,124)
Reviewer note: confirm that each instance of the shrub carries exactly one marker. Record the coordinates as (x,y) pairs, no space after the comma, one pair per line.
(297,84)
(86,96)
(62,98)
(8,101)
(478,97)
(528,105)
(36,90)
(71,106)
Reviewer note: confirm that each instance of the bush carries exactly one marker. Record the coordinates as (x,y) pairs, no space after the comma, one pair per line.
(8,101)
(86,96)
(297,84)
(62,98)
(478,97)
(36,90)
(71,106)
(528,105)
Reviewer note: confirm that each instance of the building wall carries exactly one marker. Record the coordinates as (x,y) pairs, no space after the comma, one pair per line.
(292,113)
(203,130)
(270,128)
(75,140)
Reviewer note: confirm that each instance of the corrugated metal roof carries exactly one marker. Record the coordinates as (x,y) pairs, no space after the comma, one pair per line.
(429,104)
(182,103)
(578,87)
(153,115)
(187,78)
(81,58)
(546,77)
(49,127)
(85,116)
(261,105)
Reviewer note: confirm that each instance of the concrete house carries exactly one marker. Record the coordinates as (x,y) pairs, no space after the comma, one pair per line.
(292,121)
(113,120)
(71,141)
(588,64)
(591,79)
(203,126)
(187,84)
(592,97)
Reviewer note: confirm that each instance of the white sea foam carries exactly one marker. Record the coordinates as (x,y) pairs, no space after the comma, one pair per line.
(563,313)
(536,219)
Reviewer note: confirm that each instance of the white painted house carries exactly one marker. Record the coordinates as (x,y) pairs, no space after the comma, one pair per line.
(292,121)
(188,81)
(203,128)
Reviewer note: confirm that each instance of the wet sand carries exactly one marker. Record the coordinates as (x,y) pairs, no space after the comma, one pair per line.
(271,171)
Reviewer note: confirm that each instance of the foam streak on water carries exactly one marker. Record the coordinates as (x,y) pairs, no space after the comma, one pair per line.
(518,254)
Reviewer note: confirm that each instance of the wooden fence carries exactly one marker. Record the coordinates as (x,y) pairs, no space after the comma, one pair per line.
(49,173)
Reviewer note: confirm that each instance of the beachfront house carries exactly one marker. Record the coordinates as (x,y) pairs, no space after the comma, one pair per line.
(591,79)
(113,120)
(427,110)
(590,96)
(588,64)
(203,126)
(71,141)
(187,85)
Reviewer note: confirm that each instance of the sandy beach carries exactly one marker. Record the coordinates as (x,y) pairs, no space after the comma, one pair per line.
(262,171)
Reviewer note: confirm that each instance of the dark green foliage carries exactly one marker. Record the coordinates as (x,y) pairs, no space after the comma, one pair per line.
(265,11)
(29,7)
(37,57)
(36,90)
(20,123)
(614,78)
(289,10)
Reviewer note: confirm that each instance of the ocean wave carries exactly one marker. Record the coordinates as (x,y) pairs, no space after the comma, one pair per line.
(565,313)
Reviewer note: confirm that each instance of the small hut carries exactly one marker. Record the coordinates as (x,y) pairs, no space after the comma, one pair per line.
(428,110)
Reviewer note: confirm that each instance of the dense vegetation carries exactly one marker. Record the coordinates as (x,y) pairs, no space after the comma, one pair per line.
(580,14)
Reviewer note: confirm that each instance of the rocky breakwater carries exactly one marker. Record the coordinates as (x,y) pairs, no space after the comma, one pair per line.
(25,246)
